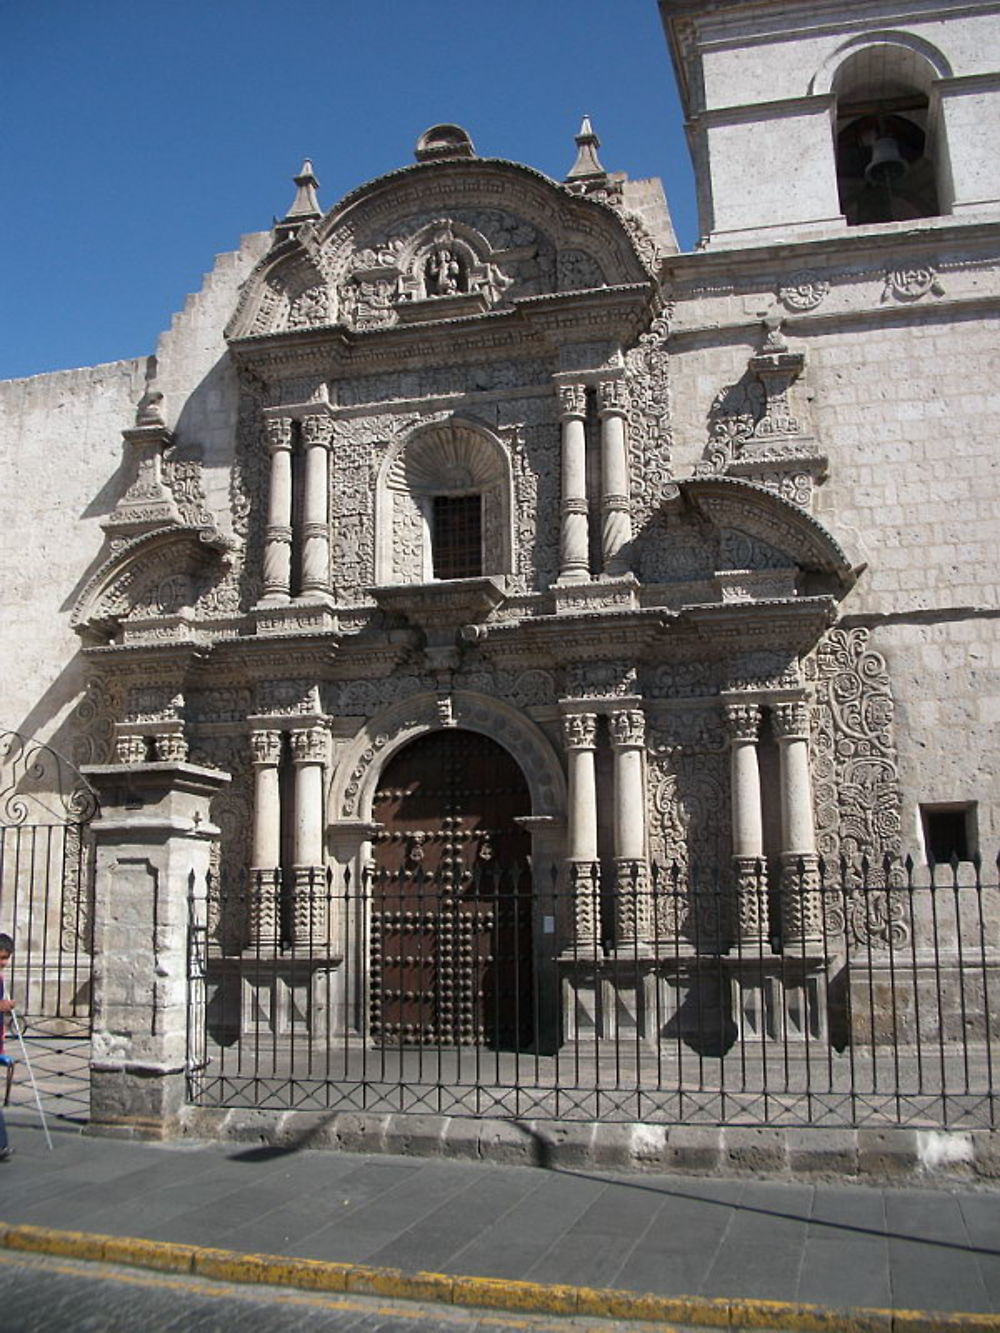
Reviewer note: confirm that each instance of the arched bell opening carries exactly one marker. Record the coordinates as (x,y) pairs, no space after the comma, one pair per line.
(886,170)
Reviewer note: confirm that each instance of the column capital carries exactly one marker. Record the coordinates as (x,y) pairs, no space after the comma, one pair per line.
(279,433)
(309,744)
(790,720)
(572,401)
(580,730)
(612,399)
(628,729)
(743,721)
(265,746)
(317,431)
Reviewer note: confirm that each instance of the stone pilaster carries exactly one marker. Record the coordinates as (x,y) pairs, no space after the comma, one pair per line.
(310,745)
(153,842)
(743,722)
(574,562)
(801,909)
(633,917)
(317,433)
(616,517)
(580,738)
(278,534)
(265,861)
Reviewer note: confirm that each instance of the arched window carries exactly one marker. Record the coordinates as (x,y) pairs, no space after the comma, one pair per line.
(886,169)
(444,507)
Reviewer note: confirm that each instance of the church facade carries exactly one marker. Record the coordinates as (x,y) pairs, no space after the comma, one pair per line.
(469,524)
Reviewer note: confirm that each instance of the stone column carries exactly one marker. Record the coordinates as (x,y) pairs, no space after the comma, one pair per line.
(153,842)
(632,907)
(309,754)
(317,433)
(743,720)
(265,864)
(278,534)
(801,909)
(574,561)
(580,736)
(616,529)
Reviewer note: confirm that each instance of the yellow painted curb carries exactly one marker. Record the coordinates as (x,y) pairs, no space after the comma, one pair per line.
(484,1292)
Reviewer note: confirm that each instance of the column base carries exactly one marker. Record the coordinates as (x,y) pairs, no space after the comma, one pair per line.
(801,902)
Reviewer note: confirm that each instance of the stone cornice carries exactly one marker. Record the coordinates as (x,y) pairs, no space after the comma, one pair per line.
(535,326)
(872,247)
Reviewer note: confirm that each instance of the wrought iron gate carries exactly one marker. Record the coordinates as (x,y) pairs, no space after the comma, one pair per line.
(46,884)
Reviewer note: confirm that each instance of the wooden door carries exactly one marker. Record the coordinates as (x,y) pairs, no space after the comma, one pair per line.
(451,956)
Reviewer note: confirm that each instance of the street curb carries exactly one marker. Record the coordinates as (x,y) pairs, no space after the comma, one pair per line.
(482,1292)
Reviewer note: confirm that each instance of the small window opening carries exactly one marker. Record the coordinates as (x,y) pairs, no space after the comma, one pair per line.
(948,832)
(457,536)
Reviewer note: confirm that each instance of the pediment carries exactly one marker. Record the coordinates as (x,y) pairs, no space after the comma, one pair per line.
(152,578)
(442,239)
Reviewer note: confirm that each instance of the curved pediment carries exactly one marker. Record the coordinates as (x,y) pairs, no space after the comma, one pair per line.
(442,239)
(735,506)
(152,575)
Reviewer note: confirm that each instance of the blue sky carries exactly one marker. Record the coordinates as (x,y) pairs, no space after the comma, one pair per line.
(141,137)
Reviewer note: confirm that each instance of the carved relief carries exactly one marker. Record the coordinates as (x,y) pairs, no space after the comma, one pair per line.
(856,783)
(803,291)
(689,828)
(910,284)
(649,434)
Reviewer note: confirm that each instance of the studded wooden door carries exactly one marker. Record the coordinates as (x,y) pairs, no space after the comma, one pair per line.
(451,908)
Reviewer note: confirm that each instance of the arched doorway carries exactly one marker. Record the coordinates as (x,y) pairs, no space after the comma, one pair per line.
(451,908)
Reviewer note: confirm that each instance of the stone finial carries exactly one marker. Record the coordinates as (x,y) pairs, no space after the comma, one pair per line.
(305,206)
(150,409)
(587,164)
(774,338)
(443,141)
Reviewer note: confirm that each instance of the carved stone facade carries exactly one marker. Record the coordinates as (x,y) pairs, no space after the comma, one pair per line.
(699,534)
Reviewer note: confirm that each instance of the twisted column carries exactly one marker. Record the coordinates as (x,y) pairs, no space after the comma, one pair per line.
(743,721)
(317,433)
(632,907)
(580,738)
(574,560)
(801,909)
(265,857)
(616,527)
(278,533)
(309,753)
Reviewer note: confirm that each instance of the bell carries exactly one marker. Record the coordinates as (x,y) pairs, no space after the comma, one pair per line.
(887,165)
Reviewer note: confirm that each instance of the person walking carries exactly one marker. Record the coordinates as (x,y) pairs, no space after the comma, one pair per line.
(6,1006)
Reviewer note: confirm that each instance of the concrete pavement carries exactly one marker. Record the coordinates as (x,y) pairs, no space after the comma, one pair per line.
(719,1242)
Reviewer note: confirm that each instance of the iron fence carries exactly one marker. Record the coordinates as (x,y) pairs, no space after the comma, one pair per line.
(46,884)
(821,995)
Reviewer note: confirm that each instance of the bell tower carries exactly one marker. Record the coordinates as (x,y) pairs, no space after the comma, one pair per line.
(810,117)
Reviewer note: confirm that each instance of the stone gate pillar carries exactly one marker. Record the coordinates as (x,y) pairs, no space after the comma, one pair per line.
(633,918)
(801,911)
(153,840)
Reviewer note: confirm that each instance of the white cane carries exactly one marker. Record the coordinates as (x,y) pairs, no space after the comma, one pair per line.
(31,1074)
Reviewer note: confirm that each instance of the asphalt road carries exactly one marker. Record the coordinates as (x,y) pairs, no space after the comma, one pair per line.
(39,1294)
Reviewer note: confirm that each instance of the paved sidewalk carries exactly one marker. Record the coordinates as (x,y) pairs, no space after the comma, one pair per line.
(836,1245)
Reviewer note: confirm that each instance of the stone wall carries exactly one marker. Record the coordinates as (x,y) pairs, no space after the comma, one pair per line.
(62,455)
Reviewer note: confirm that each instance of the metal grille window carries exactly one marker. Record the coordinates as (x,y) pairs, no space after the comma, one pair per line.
(457,536)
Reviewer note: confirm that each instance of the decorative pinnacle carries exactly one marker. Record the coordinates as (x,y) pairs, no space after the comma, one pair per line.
(305,205)
(587,144)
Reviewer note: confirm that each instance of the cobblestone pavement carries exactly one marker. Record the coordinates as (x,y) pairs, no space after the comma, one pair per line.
(39,1294)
